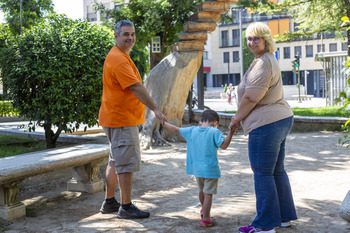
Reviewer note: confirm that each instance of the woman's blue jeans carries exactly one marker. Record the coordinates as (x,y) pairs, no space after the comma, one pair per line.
(274,200)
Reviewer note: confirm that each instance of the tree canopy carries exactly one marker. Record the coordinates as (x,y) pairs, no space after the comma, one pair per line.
(53,73)
(163,18)
(311,16)
(32,11)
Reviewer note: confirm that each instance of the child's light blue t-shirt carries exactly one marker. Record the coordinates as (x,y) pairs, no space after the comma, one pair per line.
(202,146)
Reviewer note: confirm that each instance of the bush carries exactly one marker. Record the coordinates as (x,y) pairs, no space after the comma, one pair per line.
(54,74)
(7,109)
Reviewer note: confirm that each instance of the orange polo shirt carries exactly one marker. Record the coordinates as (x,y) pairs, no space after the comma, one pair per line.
(119,106)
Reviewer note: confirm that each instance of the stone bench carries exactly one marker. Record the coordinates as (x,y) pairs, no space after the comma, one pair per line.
(212,94)
(303,97)
(83,160)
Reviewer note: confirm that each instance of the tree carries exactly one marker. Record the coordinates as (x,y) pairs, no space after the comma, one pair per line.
(163,18)
(32,11)
(248,56)
(53,73)
(5,37)
(316,16)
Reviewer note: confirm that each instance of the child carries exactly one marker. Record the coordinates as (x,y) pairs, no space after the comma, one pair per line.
(229,93)
(202,144)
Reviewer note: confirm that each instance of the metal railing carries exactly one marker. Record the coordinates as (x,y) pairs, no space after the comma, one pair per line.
(336,78)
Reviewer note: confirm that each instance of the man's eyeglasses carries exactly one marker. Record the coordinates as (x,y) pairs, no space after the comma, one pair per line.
(255,39)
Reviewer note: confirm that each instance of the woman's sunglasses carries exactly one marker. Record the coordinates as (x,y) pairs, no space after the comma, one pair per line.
(255,39)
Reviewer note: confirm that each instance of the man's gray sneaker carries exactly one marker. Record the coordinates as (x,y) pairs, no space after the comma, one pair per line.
(132,213)
(109,208)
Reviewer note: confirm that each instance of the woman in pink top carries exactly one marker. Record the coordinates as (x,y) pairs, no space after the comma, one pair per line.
(267,118)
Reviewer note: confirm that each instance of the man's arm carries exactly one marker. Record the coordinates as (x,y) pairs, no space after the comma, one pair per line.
(141,93)
(171,128)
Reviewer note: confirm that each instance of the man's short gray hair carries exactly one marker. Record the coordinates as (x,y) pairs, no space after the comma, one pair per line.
(122,23)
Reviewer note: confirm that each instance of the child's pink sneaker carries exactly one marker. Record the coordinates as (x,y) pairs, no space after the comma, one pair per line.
(205,223)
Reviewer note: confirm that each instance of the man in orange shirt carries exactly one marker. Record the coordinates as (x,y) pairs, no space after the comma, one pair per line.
(122,109)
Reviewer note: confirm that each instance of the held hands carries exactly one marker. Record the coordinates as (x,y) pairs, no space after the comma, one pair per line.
(234,126)
(160,116)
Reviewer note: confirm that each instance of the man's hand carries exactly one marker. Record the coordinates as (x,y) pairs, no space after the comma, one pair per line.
(161,117)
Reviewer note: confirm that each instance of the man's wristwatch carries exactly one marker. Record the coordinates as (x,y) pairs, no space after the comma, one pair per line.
(234,121)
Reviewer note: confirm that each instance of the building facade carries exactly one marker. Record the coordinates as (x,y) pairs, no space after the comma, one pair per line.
(222,63)
(92,16)
(221,58)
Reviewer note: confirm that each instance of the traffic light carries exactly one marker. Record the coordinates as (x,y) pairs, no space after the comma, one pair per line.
(294,67)
(297,61)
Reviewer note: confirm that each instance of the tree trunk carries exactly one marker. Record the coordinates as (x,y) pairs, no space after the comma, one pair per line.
(50,136)
(169,82)
(155,58)
(168,85)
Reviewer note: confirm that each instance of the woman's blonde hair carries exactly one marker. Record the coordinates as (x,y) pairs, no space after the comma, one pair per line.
(258,29)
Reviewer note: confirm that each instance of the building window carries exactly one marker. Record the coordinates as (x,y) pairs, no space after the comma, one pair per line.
(226,57)
(224,38)
(235,37)
(205,55)
(286,52)
(344,46)
(319,48)
(235,57)
(332,47)
(297,51)
(91,15)
(296,27)
(330,34)
(309,50)
(235,16)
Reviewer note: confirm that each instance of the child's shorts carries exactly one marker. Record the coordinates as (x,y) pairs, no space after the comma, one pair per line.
(207,185)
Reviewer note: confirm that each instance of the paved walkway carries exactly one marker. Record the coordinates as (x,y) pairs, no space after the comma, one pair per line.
(318,169)
(317,165)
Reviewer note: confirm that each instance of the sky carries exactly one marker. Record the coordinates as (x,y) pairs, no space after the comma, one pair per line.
(72,8)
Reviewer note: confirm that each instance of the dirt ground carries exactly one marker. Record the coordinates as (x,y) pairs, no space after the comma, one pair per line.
(318,168)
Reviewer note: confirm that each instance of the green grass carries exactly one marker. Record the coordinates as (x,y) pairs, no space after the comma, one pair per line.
(329,111)
(14,145)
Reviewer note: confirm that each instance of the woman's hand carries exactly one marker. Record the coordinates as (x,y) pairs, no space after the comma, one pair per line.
(233,127)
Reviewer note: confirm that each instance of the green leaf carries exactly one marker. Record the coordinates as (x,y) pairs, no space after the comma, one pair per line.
(346,124)
(345,18)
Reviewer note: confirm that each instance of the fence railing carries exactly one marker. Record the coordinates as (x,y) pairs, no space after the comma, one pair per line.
(336,78)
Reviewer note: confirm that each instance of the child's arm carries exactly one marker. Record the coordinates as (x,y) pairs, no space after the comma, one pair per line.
(171,128)
(227,140)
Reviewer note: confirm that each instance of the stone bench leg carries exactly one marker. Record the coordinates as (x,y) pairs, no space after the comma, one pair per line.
(85,178)
(10,207)
(344,209)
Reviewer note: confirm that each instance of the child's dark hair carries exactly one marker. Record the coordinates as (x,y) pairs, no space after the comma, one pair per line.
(210,116)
